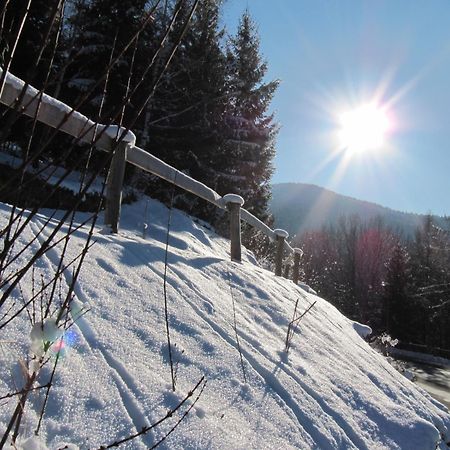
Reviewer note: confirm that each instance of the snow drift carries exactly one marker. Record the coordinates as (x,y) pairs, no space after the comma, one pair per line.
(331,391)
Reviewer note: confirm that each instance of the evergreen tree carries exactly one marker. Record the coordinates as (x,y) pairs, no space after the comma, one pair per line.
(102,29)
(34,56)
(398,304)
(185,126)
(36,59)
(251,129)
(430,268)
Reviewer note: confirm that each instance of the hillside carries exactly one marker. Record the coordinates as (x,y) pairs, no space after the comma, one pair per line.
(332,391)
(299,207)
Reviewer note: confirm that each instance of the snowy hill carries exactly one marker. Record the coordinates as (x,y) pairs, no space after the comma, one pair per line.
(299,207)
(332,391)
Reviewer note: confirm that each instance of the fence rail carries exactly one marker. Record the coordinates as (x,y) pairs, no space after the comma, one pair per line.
(27,100)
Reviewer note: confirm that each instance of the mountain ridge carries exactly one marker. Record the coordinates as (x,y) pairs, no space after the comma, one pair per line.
(299,207)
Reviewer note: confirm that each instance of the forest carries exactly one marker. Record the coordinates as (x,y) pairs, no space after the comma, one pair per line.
(399,285)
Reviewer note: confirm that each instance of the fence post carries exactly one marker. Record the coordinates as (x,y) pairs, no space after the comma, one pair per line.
(114,185)
(298,252)
(287,268)
(234,203)
(281,235)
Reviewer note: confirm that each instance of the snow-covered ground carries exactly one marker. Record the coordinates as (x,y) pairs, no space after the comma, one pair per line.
(53,174)
(434,379)
(332,391)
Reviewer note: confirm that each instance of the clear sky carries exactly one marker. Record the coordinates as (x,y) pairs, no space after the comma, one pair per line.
(333,56)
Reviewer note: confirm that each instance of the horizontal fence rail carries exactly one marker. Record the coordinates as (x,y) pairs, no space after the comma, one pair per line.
(33,103)
(27,100)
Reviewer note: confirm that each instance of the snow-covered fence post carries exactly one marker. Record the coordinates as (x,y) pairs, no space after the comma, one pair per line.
(234,203)
(281,236)
(114,185)
(298,252)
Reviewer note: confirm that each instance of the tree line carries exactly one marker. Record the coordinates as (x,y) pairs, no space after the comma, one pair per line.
(397,284)
(206,108)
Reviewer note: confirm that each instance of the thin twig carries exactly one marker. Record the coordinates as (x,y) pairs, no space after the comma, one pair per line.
(22,391)
(235,329)
(293,325)
(169,414)
(166,308)
(180,419)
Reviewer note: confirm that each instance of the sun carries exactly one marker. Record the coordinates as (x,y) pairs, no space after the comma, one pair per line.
(363,129)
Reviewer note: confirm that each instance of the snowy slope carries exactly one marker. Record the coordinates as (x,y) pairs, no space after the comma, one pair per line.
(331,392)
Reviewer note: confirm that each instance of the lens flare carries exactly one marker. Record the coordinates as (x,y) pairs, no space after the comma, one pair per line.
(62,346)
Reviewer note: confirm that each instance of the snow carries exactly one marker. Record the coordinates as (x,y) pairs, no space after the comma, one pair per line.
(281,233)
(233,198)
(45,331)
(307,288)
(434,379)
(116,132)
(53,174)
(332,391)
(112,131)
(420,357)
(363,330)
(19,84)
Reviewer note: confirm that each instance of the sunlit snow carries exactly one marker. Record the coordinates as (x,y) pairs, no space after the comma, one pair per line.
(332,391)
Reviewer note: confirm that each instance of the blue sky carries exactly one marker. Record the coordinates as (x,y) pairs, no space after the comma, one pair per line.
(335,55)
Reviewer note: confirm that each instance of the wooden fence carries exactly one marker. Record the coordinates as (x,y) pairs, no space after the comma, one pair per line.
(27,100)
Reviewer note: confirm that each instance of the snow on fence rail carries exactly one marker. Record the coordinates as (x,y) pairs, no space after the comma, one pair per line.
(25,99)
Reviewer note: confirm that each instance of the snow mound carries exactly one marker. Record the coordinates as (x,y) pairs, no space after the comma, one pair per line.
(363,330)
(331,391)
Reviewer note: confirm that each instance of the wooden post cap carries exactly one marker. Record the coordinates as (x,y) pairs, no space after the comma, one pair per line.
(281,233)
(233,198)
(115,132)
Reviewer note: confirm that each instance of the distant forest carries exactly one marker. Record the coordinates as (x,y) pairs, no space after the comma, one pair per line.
(397,285)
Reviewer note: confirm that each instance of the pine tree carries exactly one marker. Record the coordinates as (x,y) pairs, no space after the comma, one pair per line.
(251,129)
(430,268)
(102,29)
(101,32)
(36,59)
(34,54)
(186,112)
(397,291)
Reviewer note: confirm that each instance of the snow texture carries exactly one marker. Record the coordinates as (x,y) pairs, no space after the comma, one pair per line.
(307,288)
(420,357)
(332,391)
(53,174)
